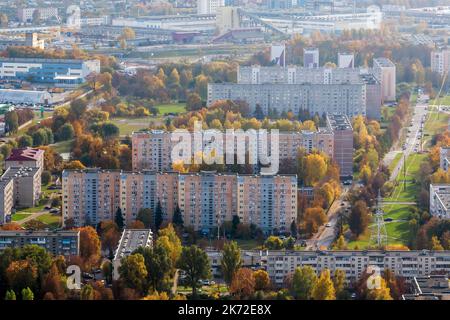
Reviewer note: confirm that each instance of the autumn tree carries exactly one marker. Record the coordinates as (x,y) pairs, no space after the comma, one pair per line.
(21,274)
(262,280)
(315,168)
(53,283)
(195,263)
(133,272)
(109,235)
(168,239)
(243,284)
(324,289)
(194,102)
(359,218)
(231,261)
(339,282)
(89,246)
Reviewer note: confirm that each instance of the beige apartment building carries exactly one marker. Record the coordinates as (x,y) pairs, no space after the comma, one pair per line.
(6,199)
(385,72)
(152,149)
(26,185)
(269,202)
(205,199)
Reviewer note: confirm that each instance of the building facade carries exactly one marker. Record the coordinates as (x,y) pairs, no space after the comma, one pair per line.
(205,199)
(342,130)
(63,242)
(6,199)
(63,72)
(26,185)
(440,61)
(209,6)
(311,57)
(384,71)
(43,13)
(440,200)
(280,264)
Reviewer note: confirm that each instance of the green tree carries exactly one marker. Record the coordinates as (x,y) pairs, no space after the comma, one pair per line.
(231,261)
(119,220)
(177,218)
(273,243)
(195,263)
(146,217)
(158,216)
(339,282)
(133,272)
(324,289)
(46,177)
(157,263)
(66,132)
(12,121)
(27,294)
(294,228)
(25,141)
(303,282)
(10,295)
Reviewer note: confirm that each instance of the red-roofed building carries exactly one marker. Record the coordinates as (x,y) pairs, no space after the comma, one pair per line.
(26,157)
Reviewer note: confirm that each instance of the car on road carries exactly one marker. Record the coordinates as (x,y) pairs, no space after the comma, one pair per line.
(388,220)
(328,225)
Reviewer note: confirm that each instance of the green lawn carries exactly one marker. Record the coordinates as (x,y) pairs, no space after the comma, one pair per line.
(395,161)
(128,125)
(53,221)
(247,244)
(63,146)
(19,216)
(437,122)
(31,210)
(37,118)
(171,108)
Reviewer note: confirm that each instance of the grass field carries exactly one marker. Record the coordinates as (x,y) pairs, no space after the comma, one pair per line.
(19,216)
(53,221)
(31,210)
(171,108)
(437,122)
(395,161)
(37,118)
(128,125)
(247,244)
(63,146)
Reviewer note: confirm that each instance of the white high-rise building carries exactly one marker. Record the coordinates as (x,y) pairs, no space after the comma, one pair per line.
(385,72)
(440,61)
(346,60)
(209,6)
(278,54)
(311,58)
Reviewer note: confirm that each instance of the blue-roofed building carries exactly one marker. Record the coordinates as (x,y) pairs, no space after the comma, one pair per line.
(59,72)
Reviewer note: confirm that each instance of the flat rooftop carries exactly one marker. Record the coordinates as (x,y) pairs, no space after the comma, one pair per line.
(17,172)
(339,122)
(131,240)
(384,62)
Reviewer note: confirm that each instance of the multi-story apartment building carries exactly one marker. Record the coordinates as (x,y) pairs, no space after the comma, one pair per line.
(345,90)
(130,240)
(26,157)
(385,72)
(354,263)
(26,185)
(444,158)
(311,57)
(63,242)
(346,60)
(205,199)
(30,40)
(60,72)
(440,200)
(440,61)
(209,6)
(342,130)
(90,196)
(349,99)
(6,199)
(279,264)
(44,13)
(269,202)
(152,149)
